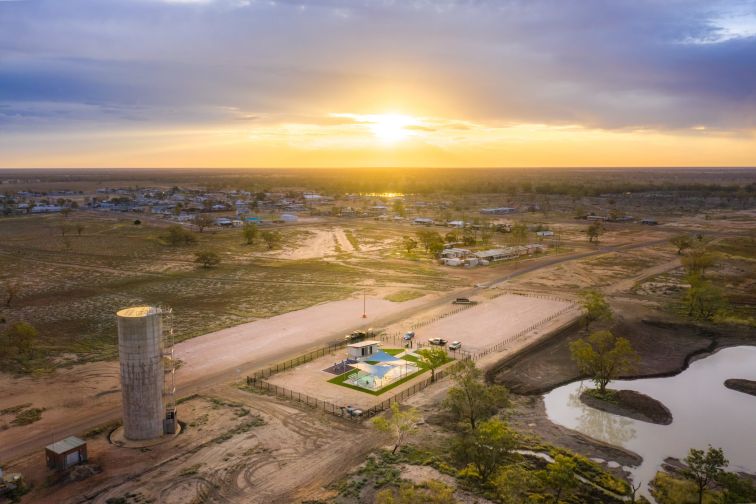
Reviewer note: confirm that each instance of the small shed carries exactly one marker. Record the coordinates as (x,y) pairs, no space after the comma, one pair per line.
(66,453)
(363,349)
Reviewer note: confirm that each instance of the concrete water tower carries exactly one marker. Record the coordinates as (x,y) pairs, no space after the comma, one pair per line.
(146,373)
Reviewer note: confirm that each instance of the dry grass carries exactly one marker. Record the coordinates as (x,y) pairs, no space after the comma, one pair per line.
(70,287)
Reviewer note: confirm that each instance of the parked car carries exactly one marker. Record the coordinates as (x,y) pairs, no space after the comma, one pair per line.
(437,341)
(408,335)
(455,345)
(359,335)
(462,301)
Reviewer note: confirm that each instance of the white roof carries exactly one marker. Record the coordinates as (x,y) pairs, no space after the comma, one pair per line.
(364,344)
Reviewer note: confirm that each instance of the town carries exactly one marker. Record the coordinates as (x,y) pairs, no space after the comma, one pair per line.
(224,335)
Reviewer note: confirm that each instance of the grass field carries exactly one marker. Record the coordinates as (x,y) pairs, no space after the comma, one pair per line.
(70,286)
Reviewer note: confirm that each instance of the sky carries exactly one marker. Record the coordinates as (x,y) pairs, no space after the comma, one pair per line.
(337,83)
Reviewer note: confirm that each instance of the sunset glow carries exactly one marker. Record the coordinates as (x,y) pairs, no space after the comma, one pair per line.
(394,84)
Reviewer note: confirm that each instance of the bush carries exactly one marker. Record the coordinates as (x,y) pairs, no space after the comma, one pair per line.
(178,235)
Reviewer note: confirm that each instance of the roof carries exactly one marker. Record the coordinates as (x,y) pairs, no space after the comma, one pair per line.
(378,371)
(364,344)
(383,357)
(137,311)
(66,445)
(495,252)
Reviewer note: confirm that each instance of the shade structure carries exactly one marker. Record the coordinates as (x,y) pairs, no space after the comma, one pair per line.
(384,357)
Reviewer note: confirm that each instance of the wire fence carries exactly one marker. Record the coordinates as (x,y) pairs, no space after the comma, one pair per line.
(257,379)
(496,347)
(343,411)
(301,359)
(398,339)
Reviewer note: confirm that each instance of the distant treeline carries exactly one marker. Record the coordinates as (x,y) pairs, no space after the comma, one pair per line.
(551,181)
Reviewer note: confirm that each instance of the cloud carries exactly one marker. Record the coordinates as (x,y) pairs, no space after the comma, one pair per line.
(624,64)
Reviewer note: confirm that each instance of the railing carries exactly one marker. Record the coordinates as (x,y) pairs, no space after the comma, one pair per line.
(460,354)
(502,344)
(341,411)
(296,361)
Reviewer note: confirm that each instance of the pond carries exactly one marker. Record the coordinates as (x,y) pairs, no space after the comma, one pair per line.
(704,411)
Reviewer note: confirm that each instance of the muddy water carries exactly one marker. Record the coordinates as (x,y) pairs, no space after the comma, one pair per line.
(704,411)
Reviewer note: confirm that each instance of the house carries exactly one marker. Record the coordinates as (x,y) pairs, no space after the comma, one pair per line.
(289,217)
(594,218)
(456,224)
(544,233)
(66,453)
(46,209)
(224,222)
(455,253)
(647,222)
(500,254)
(422,221)
(362,350)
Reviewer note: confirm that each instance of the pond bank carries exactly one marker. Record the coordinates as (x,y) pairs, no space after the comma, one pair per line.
(745,386)
(631,404)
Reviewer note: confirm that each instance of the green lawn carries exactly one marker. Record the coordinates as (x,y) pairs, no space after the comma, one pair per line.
(339,380)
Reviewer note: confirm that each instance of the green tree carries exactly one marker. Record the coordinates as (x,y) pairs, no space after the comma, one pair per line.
(430,492)
(79,228)
(681,242)
(697,261)
(704,468)
(603,356)
(271,238)
(594,231)
(703,299)
(203,221)
(468,237)
(471,399)
(428,239)
(519,233)
(560,477)
(207,258)
(433,358)
(178,235)
(436,246)
(736,489)
(409,243)
(250,232)
(595,306)
(21,338)
(486,448)
(400,424)
(513,484)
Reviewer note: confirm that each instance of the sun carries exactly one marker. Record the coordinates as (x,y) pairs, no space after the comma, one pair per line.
(390,128)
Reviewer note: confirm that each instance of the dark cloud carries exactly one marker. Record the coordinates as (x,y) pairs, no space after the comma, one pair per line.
(618,64)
